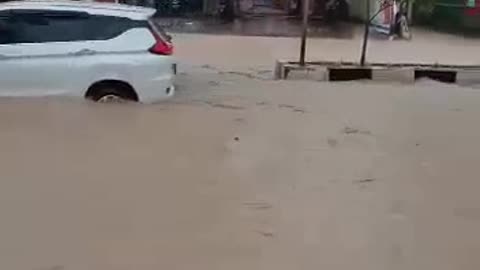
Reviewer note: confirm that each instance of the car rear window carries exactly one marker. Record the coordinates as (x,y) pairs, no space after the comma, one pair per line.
(158,28)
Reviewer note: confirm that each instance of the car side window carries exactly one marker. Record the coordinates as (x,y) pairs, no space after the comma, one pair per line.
(31,26)
(6,31)
(40,26)
(107,27)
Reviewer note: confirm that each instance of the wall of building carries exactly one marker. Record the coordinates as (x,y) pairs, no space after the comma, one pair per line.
(358,9)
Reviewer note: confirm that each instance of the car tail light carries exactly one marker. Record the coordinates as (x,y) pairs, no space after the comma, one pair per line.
(161,46)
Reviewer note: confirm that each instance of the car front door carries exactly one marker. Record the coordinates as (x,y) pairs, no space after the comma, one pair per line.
(36,52)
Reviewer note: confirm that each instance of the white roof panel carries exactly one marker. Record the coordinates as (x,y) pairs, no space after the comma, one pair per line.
(94,8)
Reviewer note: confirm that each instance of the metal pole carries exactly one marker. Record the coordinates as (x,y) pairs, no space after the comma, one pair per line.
(306,10)
(366,34)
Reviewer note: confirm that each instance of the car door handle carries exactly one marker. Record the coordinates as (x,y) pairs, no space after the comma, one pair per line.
(83,52)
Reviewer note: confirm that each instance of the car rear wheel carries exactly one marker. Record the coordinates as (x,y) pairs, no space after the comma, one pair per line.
(111,93)
(111,98)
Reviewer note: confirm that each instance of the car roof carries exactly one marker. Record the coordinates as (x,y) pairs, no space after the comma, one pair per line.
(94,8)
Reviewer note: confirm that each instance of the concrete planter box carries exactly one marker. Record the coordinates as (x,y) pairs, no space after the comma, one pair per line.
(406,75)
(403,73)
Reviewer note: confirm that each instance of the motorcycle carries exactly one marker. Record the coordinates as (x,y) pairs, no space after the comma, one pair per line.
(400,27)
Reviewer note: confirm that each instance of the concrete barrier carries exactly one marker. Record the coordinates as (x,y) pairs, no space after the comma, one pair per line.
(298,74)
(306,73)
(468,77)
(382,72)
(319,74)
(404,75)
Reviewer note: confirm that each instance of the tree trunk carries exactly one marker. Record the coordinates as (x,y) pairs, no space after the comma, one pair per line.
(365,34)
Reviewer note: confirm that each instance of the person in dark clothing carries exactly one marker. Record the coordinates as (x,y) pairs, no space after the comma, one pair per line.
(336,10)
(227,10)
(400,24)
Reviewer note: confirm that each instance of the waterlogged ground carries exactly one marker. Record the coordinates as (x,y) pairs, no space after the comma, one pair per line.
(240,172)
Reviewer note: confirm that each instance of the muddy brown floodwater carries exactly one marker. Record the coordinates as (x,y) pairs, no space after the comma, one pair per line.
(242,173)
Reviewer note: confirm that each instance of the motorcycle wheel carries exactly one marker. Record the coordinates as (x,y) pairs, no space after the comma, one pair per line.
(404,29)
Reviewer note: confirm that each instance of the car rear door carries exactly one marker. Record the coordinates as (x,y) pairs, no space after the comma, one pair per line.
(36,51)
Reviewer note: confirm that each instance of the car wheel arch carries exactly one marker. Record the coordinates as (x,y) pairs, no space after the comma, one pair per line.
(111,83)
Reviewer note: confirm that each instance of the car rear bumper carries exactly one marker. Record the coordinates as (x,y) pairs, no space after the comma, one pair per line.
(157,89)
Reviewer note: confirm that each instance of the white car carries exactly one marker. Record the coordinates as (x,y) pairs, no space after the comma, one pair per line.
(100,51)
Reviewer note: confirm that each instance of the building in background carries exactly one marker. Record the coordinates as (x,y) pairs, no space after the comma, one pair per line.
(319,8)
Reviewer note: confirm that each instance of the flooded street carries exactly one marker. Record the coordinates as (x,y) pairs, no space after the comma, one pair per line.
(242,173)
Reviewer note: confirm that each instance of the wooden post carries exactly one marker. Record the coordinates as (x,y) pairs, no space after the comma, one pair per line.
(306,11)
